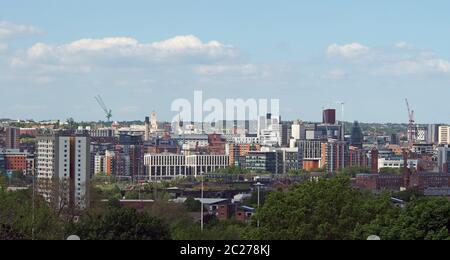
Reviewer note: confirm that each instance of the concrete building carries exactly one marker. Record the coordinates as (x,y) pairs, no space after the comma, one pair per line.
(274,161)
(444,158)
(335,155)
(2,163)
(12,137)
(311,151)
(105,164)
(169,166)
(444,135)
(397,163)
(63,169)
(433,134)
(165,166)
(357,137)
(238,151)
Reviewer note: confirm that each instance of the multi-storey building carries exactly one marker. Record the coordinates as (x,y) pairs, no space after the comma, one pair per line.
(274,161)
(170,166)
(12,137)
(216,144)
(311,151)
(63,169)
(358,157)
(444,135)
(16,161)
(238,151)
(105,164)
(335,155)
(444,158)
(2,163)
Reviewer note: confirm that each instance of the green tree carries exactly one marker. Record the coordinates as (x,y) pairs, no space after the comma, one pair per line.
(193,205)
(421,219)
(328,209)
(16,217)
(3,182)
(119,224)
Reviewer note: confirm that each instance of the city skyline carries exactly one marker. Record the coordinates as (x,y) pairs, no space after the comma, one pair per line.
(142,56)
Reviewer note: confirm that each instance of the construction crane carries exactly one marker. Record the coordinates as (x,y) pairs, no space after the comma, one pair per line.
(412,122)
(108,112)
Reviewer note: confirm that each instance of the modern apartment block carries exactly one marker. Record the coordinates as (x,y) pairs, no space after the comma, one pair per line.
(105,164)
(335,155)
(63,169)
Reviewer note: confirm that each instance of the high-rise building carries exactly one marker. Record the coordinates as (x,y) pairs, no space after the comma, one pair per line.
(444,135)
(2,163)
(444,159)
(433,134)
(63,169)
(335,155)
(130,155)
(105,164)
(239,150)
(286,130)
(357,137)
(329,116)
(12,137)
(147,129)
(357,157)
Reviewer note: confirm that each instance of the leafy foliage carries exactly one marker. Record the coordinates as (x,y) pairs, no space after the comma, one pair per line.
(422,219)
(119,224)
(325,210)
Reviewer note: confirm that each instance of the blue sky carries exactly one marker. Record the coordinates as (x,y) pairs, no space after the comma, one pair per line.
(56,55)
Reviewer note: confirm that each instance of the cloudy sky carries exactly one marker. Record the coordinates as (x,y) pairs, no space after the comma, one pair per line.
(140,55)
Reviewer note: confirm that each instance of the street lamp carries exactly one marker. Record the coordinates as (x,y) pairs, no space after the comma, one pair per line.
(259,185)
(202,207)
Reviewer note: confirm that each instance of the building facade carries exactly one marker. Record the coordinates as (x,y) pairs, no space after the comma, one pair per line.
(63,169)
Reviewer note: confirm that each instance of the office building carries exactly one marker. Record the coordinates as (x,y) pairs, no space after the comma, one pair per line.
(169,166)
(357,137)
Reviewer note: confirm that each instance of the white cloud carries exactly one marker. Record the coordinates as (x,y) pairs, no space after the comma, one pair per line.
(348,51)
(3,47)
(403,45)
(8,30)
(335,74)
(396,60)
(126,52)
(414,66)
(212,70)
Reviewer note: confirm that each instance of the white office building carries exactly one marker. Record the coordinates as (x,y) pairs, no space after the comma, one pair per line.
(167,166)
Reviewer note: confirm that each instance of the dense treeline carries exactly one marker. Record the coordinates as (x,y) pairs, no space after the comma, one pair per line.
(326,209)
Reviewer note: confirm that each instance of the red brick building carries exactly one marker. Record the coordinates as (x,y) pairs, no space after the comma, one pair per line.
(16,162)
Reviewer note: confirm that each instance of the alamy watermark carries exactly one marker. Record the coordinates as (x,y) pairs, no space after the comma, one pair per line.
(215,110)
